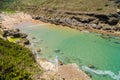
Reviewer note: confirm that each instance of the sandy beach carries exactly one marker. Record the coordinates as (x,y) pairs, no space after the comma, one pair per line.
(10,20)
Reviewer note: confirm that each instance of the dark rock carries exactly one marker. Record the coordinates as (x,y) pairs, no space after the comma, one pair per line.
(113,21)
(16,35)
(4,32)
(117,1)
(25,41)
(101,17)
(57,50)
(60,62)
(91,66)
(17,30)
(23,35)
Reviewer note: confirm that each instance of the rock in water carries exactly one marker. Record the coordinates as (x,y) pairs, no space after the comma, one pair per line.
(38,50)
(91,66)
(33,38)
(56,50)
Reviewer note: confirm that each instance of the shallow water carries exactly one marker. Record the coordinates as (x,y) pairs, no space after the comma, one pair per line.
(78,47)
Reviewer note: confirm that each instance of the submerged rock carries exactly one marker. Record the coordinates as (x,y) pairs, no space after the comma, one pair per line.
(33,38)
(56,50)
(91,66)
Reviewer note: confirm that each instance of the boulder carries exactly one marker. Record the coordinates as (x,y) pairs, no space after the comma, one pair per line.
(38,50)
(23,35)
(25,41)
(113,21)
(60,62)
(5,32)
(16,35)
(56,50)
(91,66)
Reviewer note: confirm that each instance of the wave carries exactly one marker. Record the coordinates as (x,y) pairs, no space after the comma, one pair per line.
(101,72)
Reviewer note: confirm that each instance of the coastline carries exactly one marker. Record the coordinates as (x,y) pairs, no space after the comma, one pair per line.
(107,24)
(49,69)
(11,20)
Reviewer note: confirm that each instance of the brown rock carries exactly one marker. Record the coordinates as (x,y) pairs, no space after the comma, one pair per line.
(60,62)
(38,50)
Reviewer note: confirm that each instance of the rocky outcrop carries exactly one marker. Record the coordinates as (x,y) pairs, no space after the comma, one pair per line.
(79,19)
(14,33)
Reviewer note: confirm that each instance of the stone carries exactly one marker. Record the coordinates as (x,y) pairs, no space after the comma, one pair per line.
(113,21)
(16,35)
(38,50)
(60,62)
(91,66)
(56,50)
(33,38)
(23,35)
(25,41)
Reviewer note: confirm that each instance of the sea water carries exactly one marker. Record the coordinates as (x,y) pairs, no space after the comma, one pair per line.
(82,48)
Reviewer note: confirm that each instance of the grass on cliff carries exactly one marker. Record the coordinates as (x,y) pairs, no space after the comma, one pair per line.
(100,6)
(16,62)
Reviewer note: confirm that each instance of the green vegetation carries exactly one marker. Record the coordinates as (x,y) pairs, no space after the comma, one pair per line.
(16,62)
(10,39)
(74,5)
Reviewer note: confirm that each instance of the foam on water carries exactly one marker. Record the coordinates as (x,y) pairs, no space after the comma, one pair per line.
(82,48)
(56,60)
(101,72)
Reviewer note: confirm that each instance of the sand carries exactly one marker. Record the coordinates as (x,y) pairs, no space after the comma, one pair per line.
(10,20)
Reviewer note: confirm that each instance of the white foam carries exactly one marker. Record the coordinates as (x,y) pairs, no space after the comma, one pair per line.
(101,72)
(56,60)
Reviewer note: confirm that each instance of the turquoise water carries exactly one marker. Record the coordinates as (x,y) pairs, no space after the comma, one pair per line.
(82,48)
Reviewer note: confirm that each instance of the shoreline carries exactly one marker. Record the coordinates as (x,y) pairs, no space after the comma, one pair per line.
(50,69)
(108,24)
(11,20)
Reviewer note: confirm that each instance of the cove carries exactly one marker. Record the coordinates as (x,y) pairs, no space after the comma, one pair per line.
(82,48)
